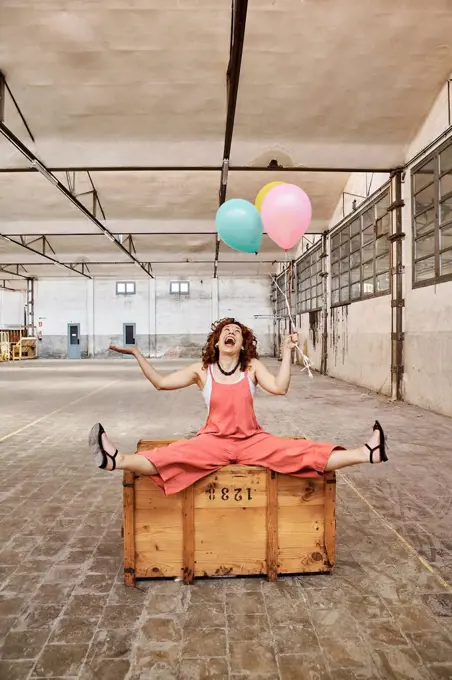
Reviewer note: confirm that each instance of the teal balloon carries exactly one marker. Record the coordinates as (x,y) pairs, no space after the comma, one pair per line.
(239,225)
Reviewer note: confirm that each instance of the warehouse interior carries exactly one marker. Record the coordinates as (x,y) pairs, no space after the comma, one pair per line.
(124,127)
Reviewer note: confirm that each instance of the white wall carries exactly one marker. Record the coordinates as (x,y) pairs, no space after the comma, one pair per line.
(428,310)
(165,325)
(11,308)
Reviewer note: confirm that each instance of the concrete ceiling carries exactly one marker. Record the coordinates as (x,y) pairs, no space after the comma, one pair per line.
(323,84)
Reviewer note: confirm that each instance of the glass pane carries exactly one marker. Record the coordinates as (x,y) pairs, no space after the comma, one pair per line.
(345,265)
(344,279)
(368,252)
(368,270)
(355,259)
(334,297)
(445,159)
(130,340)
(382,264)
(368,287)
(381,246)
(425,246)
(425,222)
(445,238)
(445,263)
(382,282)
(345,294)
(445,211)
(445,184)
(319,302)
(345,235)
(184,287)
(383,225)
(130,287)
(335,283)
(368,234)
(424,175)
(345,249)
(424,199)
(381,207)
(334,255)
(355,227)
(335,241)
(120,287)
(356,291)
(355,275)
(368,217)
(335,269)
(355,243)
(174,286)
(424,270)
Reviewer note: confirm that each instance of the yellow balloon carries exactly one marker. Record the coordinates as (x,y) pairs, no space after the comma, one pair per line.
(263,192)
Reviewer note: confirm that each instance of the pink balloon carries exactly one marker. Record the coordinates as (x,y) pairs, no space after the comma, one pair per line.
(286,214)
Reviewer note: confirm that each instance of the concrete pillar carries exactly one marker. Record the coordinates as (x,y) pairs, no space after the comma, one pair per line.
(215,300)
(152,317)
(90,317)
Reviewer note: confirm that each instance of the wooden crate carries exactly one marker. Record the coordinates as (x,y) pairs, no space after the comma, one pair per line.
(241,520)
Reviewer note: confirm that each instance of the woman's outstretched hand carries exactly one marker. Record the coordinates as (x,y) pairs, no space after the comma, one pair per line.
(124,350)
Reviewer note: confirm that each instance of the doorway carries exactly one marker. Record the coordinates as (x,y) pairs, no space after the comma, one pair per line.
(73,334)
(129,335)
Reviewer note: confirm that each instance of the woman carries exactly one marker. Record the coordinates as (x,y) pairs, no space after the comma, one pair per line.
(228,375)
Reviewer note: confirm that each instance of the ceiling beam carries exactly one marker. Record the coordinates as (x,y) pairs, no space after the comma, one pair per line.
(3,286)
(115,264)
(34,160)
(42,242)
(197,168)
(3,268)
(239,10)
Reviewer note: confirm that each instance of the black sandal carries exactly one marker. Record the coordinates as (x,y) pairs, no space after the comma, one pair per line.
(381,446)
(101,457)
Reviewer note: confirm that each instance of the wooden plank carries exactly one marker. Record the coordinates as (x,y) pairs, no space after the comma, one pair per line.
(129,528)
(230,541)
(231,487)
(149,444)
(300,491)
(272,525)
(188,530)
(330,517)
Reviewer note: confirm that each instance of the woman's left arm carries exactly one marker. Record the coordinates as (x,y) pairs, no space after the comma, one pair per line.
(277,384)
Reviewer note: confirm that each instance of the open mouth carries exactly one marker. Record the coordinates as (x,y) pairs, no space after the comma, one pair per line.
(229,341)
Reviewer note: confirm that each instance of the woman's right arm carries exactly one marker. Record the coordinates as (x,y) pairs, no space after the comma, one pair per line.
(171,381)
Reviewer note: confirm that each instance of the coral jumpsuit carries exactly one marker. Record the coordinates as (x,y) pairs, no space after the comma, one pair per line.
(232,435)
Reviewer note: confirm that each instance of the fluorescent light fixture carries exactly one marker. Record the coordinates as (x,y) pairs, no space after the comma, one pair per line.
(44,172)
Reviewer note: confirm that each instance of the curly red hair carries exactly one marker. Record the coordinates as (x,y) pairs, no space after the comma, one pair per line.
(210,351)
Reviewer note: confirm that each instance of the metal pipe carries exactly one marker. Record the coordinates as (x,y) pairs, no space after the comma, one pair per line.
(397,300)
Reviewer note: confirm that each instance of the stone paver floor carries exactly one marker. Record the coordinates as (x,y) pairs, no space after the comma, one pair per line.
(385,612)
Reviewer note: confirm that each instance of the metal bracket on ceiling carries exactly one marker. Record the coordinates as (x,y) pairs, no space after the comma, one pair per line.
(4,87)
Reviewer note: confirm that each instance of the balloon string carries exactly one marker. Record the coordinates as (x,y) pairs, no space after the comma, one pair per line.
(306,361)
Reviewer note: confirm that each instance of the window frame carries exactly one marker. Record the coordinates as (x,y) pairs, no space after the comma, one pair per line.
(336,257)
(125,284)
(309,263)
(438,227)
(179,291)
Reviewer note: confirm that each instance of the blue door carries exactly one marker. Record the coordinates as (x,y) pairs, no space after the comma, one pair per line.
(73,340)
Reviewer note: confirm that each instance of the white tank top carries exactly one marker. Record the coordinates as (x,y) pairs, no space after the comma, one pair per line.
(207,389)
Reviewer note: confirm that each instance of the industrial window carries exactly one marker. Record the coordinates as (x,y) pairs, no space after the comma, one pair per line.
(125,288)
(360,254)
(282,289)
(308,270)
(432,218)
(180,288)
